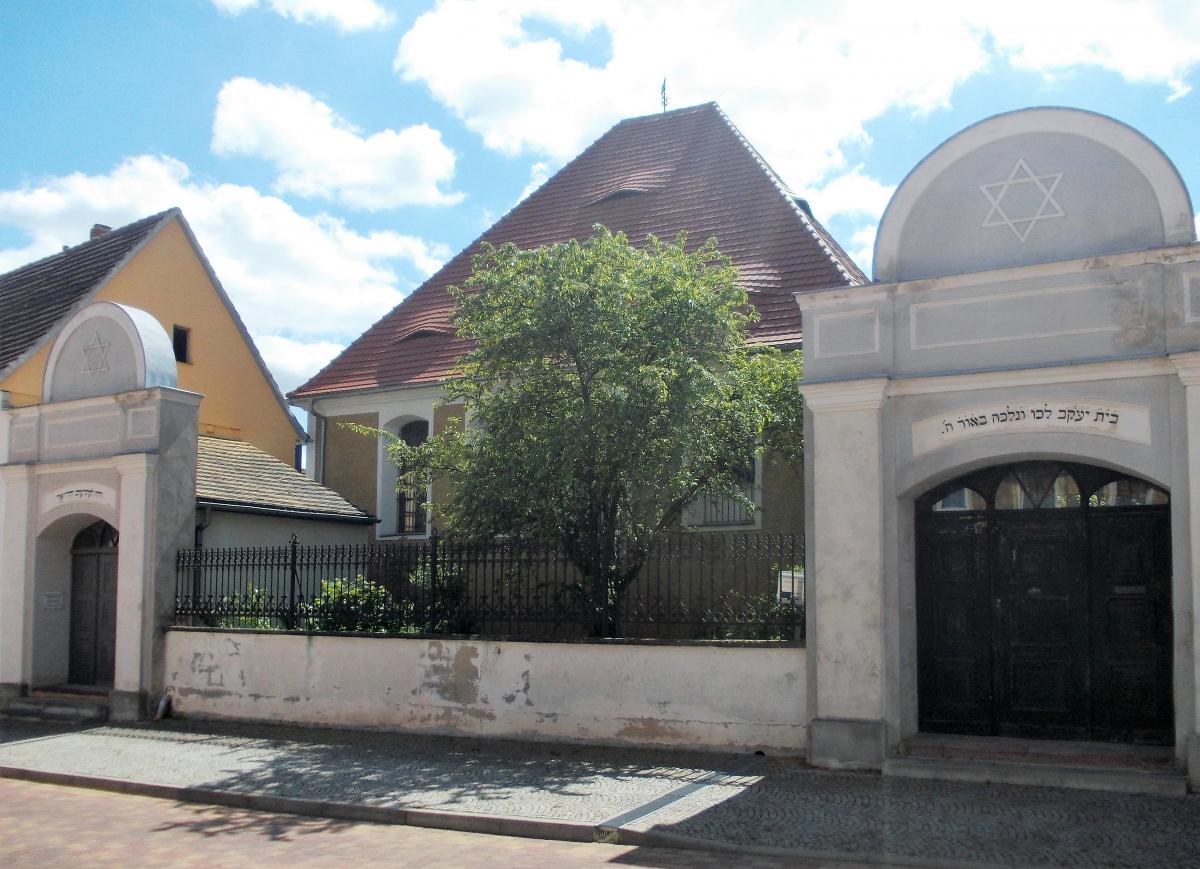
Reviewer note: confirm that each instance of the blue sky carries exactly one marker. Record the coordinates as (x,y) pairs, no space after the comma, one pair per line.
(331,153)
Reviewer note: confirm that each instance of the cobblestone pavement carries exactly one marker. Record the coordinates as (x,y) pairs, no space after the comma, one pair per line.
(47,825)
(738,801)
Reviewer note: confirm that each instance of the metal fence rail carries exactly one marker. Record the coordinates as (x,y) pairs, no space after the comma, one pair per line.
(747,586)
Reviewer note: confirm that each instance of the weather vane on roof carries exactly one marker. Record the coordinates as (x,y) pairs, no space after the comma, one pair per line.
(664,95)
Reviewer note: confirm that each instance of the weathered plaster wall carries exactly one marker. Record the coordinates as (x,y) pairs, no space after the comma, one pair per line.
(706,697)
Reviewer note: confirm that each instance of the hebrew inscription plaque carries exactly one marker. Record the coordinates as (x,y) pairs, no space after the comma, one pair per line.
(1125,422)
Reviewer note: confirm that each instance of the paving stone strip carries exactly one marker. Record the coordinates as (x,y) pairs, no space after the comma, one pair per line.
(729,802)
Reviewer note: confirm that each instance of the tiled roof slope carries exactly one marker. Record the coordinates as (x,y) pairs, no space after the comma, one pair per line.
(35,297)
(237,474)
(689,169)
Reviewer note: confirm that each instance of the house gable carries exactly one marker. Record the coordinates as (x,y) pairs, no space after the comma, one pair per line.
(164,273)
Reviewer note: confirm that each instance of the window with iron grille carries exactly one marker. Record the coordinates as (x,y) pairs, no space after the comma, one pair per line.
(726,512)
(412,508)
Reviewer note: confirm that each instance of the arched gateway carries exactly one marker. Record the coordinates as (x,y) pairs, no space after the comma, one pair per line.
(1003,527)
(1044,605)
(113,446)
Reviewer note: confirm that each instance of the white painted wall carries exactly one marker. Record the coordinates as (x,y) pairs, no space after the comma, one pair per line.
(702,697)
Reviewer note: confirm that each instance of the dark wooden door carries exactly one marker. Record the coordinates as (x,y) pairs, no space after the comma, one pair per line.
(954,631)
(1040,627)
(93,616)
(1131,624)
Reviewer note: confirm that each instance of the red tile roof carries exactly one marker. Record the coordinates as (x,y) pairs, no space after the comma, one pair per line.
(689,169)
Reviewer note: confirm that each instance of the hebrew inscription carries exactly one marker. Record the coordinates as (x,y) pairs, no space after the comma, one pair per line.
(90,493)
(1108,419)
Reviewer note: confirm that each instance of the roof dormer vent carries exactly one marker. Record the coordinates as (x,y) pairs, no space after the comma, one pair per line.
(619,193)
(420,332)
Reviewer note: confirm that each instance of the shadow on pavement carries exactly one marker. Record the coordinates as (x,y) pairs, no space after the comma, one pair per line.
(541,780)
(213,821)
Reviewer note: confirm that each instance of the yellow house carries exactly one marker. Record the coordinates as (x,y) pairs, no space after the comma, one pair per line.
(154,264)
(248,488)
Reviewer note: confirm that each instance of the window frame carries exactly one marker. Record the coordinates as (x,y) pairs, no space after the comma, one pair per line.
(186,333)
(755,522)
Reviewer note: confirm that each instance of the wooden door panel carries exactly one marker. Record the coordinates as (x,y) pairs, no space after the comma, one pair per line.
(93,640)
(1041,643)
(106,617)
(1131,615)
(954,625)
(82,664)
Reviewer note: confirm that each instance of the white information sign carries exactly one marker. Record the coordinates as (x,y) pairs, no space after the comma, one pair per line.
(1125,422)
(85,493)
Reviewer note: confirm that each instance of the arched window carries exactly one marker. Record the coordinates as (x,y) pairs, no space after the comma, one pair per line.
(1037,485)
(412,509)
(1128,492)
(99,535)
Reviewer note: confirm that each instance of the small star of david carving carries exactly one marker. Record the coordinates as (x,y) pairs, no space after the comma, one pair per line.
(1003,212)
(95,356)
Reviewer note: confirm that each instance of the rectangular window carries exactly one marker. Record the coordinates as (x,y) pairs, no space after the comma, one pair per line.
(180,336)
(725,512)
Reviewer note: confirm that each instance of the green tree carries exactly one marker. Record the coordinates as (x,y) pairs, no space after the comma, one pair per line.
(609,387)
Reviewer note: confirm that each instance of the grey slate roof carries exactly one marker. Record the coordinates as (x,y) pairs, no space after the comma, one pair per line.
(35,297)
(237,475)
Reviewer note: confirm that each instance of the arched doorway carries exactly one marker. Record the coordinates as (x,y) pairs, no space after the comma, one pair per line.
(93,606)
(1044,605)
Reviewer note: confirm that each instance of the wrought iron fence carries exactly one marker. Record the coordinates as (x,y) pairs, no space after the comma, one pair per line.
(744,586)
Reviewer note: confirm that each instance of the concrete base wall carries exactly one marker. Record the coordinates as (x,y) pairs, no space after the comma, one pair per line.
(701,697)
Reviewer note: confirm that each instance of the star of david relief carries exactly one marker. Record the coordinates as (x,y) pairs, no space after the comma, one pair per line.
(95,356)
(1021,200)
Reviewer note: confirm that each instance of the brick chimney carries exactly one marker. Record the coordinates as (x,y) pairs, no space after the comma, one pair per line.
(99,229)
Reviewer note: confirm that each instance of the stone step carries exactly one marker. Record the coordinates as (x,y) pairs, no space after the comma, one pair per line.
(61,709)
(1096,778)
(1148,758)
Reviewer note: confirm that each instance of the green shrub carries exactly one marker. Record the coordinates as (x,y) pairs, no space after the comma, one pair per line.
(438,604)
(245,611)
(355,605)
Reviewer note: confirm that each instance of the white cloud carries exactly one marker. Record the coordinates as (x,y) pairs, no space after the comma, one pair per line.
(862,247)
(293,362)
(313,281)
(1152,42)
(851,193)
(317,153)
(539,173)
(346,15)
(801,80)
